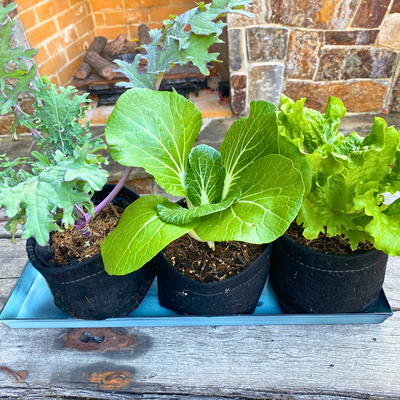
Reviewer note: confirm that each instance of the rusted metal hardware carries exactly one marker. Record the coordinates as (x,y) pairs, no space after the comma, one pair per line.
(109,380)
(98,339)
(18,375)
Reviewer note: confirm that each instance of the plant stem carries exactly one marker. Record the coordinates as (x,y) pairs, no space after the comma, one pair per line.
(84,218)
(158,81)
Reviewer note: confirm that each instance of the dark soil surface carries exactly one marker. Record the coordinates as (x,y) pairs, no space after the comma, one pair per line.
(69,246)
(199,262)
(331,245)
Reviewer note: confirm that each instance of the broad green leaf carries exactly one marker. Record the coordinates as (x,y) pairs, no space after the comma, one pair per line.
(39,198)
(289,150)
(249,139)
(139,236)
(156,131)
(175,214)
(272,194)
(204,179)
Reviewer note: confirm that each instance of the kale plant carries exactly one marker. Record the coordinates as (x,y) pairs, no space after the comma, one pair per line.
(349,175)
(66,171)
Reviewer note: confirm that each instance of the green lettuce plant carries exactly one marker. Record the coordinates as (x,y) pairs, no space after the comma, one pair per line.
(248,191)
(349,175)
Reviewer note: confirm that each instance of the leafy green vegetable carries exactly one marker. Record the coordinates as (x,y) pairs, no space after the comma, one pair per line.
(66,171)
(139,236)
(15,76)
(248,191)
(176,45)
(38,200)
(349,175)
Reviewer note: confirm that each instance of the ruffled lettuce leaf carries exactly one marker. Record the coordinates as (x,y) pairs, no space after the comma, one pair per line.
(349,175)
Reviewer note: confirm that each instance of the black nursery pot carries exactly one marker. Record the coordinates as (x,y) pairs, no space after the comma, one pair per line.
(307,281)
(236,295)
(85,290)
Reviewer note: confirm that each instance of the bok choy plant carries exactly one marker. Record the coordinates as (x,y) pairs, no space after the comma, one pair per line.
(248,191)
(349,175)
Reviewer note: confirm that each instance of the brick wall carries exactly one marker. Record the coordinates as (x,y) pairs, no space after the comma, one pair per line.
(61,30)
(113,17)
(316,48)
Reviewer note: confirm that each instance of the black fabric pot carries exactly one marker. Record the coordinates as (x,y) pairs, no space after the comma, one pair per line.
(307,281)
(85,290)
(236,295)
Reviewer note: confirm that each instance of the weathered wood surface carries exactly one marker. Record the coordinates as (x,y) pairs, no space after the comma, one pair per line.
(296,362)
(360,361)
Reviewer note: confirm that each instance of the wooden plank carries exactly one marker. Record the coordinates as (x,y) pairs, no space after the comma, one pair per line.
(355,361)
(6,287)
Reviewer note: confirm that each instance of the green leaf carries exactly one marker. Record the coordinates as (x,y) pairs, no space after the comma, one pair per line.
(204,179)
(40,198)
(139,236)
(177,45)
(15,76)
(175,214)
(58,112)
(272,194)
(309,127)
(156,131)
(249,139)
(385,224)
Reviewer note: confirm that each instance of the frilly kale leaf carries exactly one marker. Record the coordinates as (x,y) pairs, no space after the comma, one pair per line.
(175,44)
(57,116)
(15,76)
(37,200)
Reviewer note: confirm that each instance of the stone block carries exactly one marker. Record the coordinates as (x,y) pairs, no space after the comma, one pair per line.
(370,13)
(238,93)
(348,38)
(353,63)
(333,14)
(395,7)
(304,49)
(266,44)
(389,35)
(257,8)
(358,96)
(394,103)
(236,53)
(265,83)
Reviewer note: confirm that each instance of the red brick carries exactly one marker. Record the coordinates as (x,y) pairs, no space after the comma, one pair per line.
(126,17)
(50,9)
(100,5)
(53,65)
(41,33)
(85,26)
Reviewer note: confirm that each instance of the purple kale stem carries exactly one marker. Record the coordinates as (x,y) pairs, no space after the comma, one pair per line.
(84,219)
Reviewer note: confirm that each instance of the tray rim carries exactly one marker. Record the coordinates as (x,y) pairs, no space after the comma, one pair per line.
(190,320)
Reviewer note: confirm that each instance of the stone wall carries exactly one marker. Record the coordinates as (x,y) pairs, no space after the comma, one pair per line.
(314,49)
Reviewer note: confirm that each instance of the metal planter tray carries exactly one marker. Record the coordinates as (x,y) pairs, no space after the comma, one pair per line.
(31,306)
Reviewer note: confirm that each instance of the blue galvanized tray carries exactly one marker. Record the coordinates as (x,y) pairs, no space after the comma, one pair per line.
(31,306)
